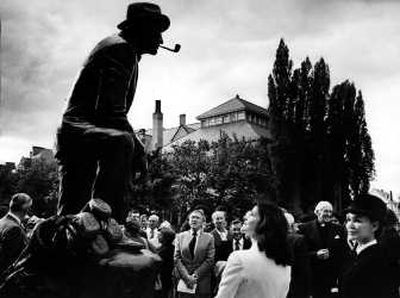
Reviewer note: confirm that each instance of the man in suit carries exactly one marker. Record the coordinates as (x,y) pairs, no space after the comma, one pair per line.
(194,257)
(237,239)
(300,281)
(152,231)
(97,149)
(221,235)
(326,247)
(12,235)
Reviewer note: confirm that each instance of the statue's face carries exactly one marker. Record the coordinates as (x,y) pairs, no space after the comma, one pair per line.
(146,38)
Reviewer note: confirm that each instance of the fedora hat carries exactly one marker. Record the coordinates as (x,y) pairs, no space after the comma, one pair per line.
(368,205)
(145,12)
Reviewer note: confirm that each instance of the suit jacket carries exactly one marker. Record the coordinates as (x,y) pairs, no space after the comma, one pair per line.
(246,242)
(104,91)
(368,275)
(249,273)
(167,255)
(201,264)
(12,241)
(222,248)
(300,283)
(325,272)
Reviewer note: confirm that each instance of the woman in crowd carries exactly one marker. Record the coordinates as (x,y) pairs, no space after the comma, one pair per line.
(194,258)
(166,237)
(368,272)
(263,270)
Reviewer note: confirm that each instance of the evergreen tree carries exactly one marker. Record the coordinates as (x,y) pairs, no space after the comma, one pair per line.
(321,148)
(282,92)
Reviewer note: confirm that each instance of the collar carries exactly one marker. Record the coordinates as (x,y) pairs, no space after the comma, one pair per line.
(15,217)
(241,241)
(361,247)
(225,232)
(198,232)
(321,224)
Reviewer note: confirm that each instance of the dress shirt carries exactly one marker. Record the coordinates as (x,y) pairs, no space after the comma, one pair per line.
(152,237)
(241,242)
(223,235)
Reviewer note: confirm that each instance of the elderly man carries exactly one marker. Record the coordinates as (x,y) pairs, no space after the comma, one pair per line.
(152,231)
(194,259)
(326,243)
(223,246)
(12,234)
(98,151)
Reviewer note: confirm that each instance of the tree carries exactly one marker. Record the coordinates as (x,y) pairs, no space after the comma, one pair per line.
(321,147)
(282,93)
(8,181)
(40,181)
(229,172)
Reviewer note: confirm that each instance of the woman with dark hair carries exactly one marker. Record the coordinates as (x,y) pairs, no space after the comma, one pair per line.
(263,270)
(368,271)
(166,237)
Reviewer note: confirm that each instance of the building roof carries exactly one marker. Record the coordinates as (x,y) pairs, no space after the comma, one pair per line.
(241,129)
(233,105)
(169,134)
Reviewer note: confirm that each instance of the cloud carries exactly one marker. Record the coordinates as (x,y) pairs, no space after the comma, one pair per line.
(228,47)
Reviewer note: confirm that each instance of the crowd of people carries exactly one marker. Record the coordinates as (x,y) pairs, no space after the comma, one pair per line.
(266,253)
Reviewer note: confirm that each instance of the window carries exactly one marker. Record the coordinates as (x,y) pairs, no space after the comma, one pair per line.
(241,116)
(218,120)
(226,119)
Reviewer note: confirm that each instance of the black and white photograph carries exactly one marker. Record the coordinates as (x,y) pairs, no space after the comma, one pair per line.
(199,149)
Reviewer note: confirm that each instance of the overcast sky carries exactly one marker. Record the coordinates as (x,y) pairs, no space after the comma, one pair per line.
(228,47)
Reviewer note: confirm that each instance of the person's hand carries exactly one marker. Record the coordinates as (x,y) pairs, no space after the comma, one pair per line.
(191,281)
(323,254)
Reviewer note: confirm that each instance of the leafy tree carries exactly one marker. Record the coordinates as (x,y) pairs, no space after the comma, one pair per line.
(321,147)
(229,172)
(40,181)
(8,180)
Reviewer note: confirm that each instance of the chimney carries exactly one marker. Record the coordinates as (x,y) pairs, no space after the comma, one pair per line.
(158,126)
(182,119)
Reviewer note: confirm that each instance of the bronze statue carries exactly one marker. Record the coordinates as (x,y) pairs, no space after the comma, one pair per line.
(97,148)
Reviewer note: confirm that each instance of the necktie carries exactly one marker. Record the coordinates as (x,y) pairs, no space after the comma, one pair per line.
(151,234)
(192,243)
(237,244)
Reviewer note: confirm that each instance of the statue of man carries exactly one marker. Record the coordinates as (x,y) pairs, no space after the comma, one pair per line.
(96,146)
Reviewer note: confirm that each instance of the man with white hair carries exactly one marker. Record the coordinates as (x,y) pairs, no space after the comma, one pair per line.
(326,243)
(223,246)
(152,231)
